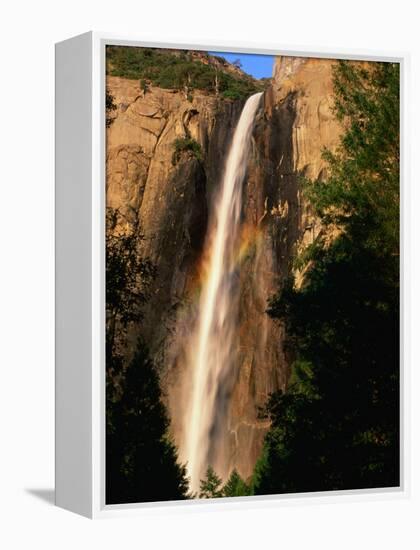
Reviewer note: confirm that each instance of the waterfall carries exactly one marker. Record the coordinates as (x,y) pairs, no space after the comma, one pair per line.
(212,347)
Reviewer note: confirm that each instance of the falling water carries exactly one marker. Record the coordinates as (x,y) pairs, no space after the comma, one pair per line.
(213,343)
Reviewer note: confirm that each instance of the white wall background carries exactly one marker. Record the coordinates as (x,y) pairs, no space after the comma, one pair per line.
(28,32)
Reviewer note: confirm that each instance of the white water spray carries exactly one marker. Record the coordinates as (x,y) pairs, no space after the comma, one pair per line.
(213,344)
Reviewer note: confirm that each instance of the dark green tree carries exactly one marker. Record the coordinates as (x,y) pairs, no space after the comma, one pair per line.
(337,425)
(128,277)
(211,485)
(235,486)
(141,461)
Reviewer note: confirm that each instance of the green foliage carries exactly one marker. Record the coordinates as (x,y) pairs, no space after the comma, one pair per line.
(361,194)
(128,277)
(235,486)
(231,94)
(186,145)
(127,274)
(260,469)
(337,425)
(141,463)
(178,70)
(301,379)
(211,485)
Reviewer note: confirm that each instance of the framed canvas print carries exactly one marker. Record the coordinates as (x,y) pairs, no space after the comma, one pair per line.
(228,274)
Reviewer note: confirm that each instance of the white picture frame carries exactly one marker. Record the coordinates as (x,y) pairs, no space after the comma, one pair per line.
(80,279)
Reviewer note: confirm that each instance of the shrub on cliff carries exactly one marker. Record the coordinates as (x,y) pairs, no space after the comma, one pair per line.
(186,145)
(110,107)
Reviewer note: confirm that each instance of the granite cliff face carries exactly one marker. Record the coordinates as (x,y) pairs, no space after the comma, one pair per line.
(171,197)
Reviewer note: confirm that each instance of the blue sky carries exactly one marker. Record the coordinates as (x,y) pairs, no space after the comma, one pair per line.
(259,66)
